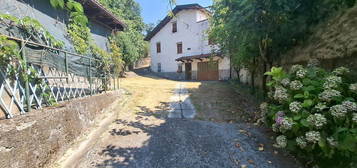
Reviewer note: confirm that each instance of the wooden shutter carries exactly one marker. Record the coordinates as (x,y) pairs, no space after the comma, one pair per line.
(174,27)
(158,47)
(179,48)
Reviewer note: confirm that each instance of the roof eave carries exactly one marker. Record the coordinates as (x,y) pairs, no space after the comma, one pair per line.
(92,7)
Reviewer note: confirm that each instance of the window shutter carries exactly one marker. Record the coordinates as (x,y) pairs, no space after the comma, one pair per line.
(179,48)
(174,27)
(158,47)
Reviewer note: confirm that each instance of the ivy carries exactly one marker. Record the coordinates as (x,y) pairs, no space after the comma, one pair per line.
(80,35)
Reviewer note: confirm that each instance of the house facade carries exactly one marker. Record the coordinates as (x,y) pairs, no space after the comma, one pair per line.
(180,48)
(101,21)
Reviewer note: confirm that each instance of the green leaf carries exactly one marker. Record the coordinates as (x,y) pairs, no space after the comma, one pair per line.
(307,103)
(304,123)
(306,82)
(297,117)
(57,3)
(309,88)
(299,96)
(271,83)
(306,94)
(322,143)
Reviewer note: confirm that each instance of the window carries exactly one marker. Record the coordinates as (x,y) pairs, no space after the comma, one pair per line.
(179,48)
(174,27)
(158,67)
(158,47)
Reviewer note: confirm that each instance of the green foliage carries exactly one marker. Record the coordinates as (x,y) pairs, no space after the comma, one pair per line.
(314,114)
(9,54)
(131,41)
(132,45)
(59,4)
(257,32)
(77,28)
(31,29)
(117,60)
(80,34)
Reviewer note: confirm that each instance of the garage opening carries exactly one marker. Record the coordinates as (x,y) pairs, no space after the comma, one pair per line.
(207,70)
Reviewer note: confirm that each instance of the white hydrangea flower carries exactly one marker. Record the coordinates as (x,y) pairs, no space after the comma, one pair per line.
(285,82)
(296,85)
(275,128)
(327,95)
(270,94)
(281,141)
(340,71)
(295,68)
(338,111)
(263,109)
(313,63)
(286,124)
(332,141)
(332,82)
(317,120)
(350,106)
(320,107)
(312,136)
(301,142)
(295,106)
(354,118)
(353,88)
(301,73)
(280,94)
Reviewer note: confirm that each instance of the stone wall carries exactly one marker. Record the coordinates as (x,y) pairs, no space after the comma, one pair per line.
(171,75)
(38,138)
(334,44)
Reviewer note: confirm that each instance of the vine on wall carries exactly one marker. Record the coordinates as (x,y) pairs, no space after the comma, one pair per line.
(80,35)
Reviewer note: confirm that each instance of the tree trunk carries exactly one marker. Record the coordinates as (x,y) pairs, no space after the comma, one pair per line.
(252,81)
(264,79)
(237,72)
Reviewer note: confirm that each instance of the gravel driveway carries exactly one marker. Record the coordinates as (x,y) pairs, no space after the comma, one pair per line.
(142,136)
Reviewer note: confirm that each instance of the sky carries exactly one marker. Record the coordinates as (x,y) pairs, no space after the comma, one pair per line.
(154,10)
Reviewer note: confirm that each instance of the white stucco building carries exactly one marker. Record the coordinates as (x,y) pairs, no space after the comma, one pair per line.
(180,48)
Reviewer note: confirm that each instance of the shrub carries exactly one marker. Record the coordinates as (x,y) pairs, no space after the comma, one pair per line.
(314,114)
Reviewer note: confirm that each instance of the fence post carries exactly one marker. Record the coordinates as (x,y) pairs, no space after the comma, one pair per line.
(119,82)
(90,76)
(27,83)
(114,82)
(66,65)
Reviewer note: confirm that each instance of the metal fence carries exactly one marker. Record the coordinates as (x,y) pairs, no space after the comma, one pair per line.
(55,85)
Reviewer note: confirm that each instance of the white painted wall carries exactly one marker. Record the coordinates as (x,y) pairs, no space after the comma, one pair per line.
(191,31)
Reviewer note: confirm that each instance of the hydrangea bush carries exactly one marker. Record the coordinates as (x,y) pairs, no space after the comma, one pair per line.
(314,114)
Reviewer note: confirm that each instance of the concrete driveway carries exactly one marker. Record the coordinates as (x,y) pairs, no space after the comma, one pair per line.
(144,136)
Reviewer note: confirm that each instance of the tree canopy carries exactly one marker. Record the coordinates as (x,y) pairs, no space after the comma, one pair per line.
(131,41)
(257,32)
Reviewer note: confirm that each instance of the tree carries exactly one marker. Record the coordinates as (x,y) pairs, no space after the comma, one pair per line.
(131,40)
(258,32)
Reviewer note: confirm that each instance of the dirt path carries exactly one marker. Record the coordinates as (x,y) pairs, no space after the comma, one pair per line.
(142,135)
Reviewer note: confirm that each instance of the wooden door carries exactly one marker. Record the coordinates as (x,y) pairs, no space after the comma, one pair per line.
(207,71)
(188,71)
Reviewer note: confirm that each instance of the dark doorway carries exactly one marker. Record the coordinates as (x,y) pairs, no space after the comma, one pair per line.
(188,71)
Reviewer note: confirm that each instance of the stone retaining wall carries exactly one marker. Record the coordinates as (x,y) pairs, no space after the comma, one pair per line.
(38,138)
